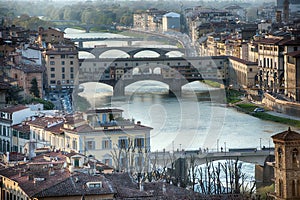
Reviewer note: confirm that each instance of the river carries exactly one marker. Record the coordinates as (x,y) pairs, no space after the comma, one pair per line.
(188,122)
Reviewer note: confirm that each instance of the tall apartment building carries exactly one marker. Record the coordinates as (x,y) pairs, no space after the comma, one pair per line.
(61,62)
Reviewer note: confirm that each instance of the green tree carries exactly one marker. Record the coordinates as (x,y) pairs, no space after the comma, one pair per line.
(34,90)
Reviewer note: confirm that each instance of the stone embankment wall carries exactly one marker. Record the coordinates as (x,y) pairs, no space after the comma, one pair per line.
(286,107)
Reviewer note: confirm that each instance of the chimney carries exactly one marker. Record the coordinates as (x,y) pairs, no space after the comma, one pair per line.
(138,122)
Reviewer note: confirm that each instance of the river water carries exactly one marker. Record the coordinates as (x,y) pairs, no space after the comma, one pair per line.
(188,122)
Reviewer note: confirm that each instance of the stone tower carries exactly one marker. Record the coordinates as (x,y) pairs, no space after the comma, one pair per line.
(287,165)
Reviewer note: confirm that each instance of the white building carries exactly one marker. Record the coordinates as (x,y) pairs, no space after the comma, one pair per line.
(34,54)
(171,22)
(8,117)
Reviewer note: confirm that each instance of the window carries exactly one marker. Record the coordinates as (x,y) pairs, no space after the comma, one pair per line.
(63,76)
(71,62)
(90,145)
(123,143)
(139,142)
(295,48)
(62,56)
(63,70)
(279,153)
(62,62)
(52,69)
(71,69)
(51,57)
(106,144)
(74,144)
(72,76)
(52,62)
(52,82)
(52,75)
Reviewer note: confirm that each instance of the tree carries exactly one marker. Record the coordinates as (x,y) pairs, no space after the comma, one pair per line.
(34,90)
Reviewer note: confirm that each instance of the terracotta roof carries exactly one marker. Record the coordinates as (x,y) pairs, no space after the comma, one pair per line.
(32,187)
(24,128)
(75,185)
(44,122)
(290,42)
(13,109)
(242,61)
(295,54)
(56,129)
(288,135)
(268,41)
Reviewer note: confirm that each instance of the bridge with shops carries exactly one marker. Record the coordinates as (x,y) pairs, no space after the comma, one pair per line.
(173,71)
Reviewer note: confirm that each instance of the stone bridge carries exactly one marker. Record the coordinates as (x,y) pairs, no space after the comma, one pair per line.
(131,51)
(262,159)
(174,71)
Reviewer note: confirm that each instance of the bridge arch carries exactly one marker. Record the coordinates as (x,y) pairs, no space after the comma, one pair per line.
(85,54)
(114,53)
(131,51)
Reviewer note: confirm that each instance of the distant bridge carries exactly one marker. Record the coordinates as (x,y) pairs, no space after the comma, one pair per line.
(130,50)
(253,156)
(126,39)
(262,159)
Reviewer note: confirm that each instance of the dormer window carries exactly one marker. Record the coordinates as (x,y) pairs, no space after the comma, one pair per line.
(94,184)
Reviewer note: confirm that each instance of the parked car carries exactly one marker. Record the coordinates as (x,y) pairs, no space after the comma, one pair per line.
(259,110)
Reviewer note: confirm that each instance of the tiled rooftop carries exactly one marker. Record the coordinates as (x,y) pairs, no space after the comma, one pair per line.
(288,135)
(13,109)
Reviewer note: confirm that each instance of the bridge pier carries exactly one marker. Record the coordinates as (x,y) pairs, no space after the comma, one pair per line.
(80,44)
(175,87)
(119,89)
(264,174)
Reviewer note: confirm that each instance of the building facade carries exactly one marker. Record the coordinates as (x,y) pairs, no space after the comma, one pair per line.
(61,62)
(287,169)
(292,75)
(11,116)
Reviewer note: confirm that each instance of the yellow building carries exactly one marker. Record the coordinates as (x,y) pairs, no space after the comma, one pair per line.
(62,65)
(243,73)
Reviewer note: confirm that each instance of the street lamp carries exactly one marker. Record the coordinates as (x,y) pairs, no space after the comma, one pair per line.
(260,143)
(225,147)
(217,145)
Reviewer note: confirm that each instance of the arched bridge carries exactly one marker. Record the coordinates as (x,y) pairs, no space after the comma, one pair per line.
(257,157)
(131,51)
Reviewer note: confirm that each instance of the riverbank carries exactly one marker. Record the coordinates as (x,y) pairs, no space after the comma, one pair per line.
(248,107)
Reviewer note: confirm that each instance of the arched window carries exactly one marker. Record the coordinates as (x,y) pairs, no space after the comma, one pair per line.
(294,156)
(294,188)
(279,153)
(280,192)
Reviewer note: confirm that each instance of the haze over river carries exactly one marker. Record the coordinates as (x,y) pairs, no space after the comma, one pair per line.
(189,122)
